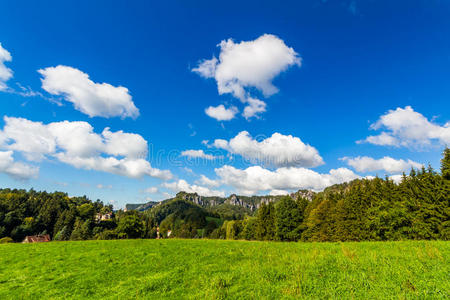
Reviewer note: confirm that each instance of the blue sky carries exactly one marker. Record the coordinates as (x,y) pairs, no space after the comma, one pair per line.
(344,71)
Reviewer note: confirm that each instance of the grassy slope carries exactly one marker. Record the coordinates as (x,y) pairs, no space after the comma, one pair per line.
(216,269)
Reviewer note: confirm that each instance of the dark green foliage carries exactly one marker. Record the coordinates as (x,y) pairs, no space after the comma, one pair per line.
(210,227)
(230,212)
(25,213)
(265,225)
(107,235)
(378,209)
(288,218)
(130,226)
(233,229)
(82,230)
(249,228)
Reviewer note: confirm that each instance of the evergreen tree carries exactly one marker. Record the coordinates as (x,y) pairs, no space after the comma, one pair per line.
(265,228)
(288,219)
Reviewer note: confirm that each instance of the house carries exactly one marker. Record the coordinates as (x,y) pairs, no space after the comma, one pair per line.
(37,238)
(103,217)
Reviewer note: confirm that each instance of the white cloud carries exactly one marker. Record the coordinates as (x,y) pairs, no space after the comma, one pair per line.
(76,144)
(278,150)
(208,182)
(383,139)
(14,169)
(388,164)
(124,144)
(33,139)
(182,185)
(206,68)
(93,99)
(396,178)
(198,154)
(151,190)
(254,108)
(5,72)
(257,179)
(249,65)
(408,128)
(220,113)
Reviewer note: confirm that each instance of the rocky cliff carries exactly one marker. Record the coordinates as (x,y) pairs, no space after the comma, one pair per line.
(251,203)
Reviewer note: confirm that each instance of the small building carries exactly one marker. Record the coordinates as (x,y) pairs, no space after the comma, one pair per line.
(37,238)
(103,217)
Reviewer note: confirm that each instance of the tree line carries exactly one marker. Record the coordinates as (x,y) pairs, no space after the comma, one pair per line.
(365,209)
(24,213)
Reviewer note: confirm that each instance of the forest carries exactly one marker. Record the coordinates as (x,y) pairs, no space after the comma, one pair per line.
(417,208)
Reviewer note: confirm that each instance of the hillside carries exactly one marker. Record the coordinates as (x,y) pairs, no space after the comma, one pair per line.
(212,269)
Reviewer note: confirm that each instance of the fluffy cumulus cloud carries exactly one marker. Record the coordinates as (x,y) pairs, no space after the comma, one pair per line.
(182,185)
(388,164)
(278,150)
(93,99)
(220,113)
(15,169)
(5,72)
(249,65)
(407,128)
(76,144)
(256,179)
(198,154)
(254,108)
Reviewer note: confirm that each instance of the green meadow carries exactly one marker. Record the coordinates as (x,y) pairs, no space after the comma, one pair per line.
(218,269)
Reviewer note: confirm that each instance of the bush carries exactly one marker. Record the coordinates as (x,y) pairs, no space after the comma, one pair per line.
(107,235)
(6,240)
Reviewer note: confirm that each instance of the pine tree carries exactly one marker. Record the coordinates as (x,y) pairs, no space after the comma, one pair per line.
(444,196)
(265,227)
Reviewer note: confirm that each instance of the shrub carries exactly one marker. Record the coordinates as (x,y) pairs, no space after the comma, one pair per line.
(6,240)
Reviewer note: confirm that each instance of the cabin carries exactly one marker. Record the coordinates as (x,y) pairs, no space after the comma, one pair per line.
(37,238)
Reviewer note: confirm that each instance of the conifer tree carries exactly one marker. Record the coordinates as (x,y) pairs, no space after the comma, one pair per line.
(288,219)
(265,228)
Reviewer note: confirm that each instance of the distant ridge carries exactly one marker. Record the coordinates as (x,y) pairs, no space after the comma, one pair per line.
(251,203)
(141,207)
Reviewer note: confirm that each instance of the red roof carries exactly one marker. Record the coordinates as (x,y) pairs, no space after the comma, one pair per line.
(37,238)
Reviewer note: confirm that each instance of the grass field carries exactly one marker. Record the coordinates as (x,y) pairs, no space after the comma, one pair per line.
(156,269)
